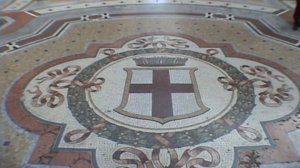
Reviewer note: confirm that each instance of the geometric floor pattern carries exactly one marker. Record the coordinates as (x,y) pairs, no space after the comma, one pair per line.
(149,84)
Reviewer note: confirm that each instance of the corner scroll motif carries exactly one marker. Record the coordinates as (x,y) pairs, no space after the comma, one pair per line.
(54,98)
(260,71)
(271,96)
(188,159)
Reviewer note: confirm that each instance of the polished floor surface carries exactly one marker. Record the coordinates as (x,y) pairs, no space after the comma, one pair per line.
(149,84)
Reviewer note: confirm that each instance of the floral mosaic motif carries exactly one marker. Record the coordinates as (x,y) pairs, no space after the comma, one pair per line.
(160,45)
(188,159)
(271,96)
(54,98)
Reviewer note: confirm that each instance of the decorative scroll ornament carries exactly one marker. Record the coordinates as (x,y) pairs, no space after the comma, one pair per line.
(230,84)
(271,97)
(109,52)
(260,71)
(244,131)
(79,135)
(247,133)
(210,53)
(55,98)
(188,159)
(163,140)
(70,70)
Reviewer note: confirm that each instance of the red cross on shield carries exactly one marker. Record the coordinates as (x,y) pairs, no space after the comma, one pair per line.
(161,94)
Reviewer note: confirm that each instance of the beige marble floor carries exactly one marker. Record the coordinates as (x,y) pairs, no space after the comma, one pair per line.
(17,144)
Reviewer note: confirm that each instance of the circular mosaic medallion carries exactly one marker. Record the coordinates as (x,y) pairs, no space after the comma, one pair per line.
(149,95)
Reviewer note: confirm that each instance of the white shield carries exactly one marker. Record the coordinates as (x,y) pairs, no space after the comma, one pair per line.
(161,94)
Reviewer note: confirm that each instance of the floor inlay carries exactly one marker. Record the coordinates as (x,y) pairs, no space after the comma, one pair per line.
(159,98)
(149,84)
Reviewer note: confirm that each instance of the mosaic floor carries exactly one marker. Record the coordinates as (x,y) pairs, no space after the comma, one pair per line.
(149,84)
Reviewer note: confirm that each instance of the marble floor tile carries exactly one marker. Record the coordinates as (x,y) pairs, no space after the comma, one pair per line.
(149,84)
